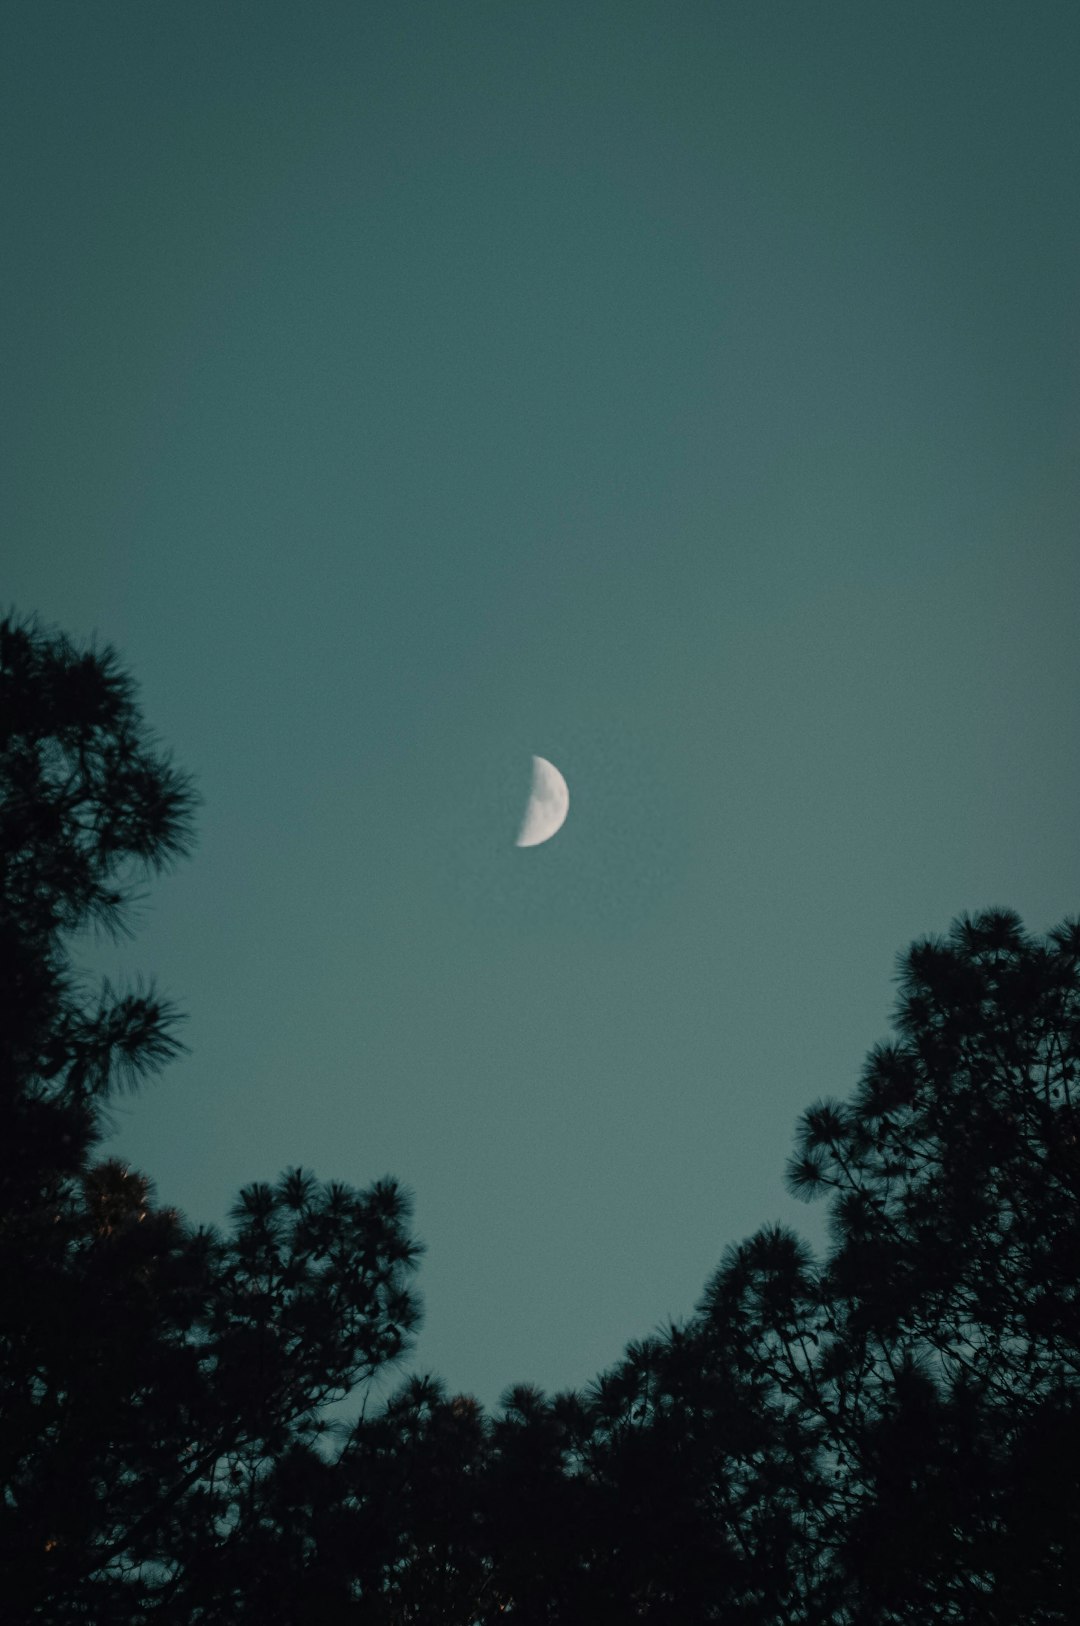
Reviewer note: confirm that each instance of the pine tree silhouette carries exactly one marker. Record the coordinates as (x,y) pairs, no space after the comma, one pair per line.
(887,1434)
(150,1371)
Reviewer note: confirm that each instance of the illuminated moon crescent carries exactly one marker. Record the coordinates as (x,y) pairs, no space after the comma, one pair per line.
(549,803)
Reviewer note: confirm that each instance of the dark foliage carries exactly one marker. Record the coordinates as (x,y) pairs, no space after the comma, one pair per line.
(151,1374)
(886,1435)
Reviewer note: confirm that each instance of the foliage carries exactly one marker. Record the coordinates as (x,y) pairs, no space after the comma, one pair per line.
(887,1434)
(151,1371)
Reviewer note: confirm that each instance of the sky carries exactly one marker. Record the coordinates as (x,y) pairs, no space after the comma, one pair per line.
(686,394)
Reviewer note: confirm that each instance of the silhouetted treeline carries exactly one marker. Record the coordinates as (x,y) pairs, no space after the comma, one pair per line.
(889,1434)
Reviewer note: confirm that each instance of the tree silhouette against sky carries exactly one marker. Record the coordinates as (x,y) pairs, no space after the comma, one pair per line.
(151,1370)
(888,1434)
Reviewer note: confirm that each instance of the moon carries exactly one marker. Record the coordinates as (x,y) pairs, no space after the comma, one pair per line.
(549,803)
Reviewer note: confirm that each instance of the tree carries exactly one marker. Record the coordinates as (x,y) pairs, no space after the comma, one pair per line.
(886,1434)
(949,1312)
(150,1370)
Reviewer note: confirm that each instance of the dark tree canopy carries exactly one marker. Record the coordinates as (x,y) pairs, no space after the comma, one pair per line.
(889,1434)
(152,1373)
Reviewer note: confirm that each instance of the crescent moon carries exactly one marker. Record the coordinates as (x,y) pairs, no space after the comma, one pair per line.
(549,803)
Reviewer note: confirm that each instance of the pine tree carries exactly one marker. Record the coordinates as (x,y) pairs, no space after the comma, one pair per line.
(151,1372)
(886,1434)
(889,1433)
(949,1366)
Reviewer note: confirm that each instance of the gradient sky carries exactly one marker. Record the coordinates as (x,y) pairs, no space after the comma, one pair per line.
(685,393)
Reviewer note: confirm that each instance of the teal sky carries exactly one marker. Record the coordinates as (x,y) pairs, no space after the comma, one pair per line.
(688,394)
